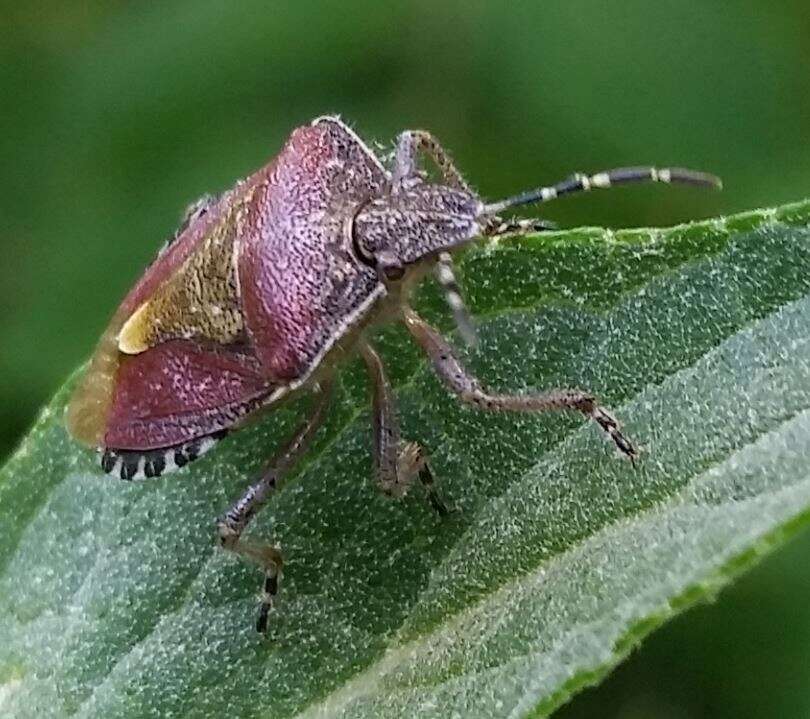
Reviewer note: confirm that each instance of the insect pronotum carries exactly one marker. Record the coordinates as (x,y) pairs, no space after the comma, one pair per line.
(263,286)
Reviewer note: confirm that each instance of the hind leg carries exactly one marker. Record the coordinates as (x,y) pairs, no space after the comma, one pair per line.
(233,523)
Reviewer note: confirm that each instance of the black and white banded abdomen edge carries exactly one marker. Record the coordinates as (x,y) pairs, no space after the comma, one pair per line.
(136,464)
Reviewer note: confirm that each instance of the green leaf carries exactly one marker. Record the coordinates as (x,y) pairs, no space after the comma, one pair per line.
(115,602)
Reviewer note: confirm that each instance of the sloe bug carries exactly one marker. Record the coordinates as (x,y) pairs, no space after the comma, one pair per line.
(266,285)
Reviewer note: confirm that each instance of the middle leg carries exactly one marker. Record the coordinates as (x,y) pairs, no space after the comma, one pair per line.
(469,390)
(396,464)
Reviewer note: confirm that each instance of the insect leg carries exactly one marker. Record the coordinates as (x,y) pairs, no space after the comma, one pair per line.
(446,277)
(231,525)
(409,144)
(469,390)
(396,465)
(497,227)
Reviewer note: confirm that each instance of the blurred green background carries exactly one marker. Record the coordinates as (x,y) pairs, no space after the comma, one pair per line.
(116,115)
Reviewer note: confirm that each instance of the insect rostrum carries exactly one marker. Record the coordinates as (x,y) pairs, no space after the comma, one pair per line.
(265,285)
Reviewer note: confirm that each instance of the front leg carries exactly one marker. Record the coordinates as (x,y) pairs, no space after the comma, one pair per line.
(498,227)
(409,145)
(237,518)
(469,390)
(396,465)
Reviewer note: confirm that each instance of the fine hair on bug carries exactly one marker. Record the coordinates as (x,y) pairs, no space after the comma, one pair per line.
(266,286)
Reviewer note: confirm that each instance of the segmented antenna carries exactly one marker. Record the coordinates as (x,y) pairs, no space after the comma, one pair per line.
(608,178)
(452,294)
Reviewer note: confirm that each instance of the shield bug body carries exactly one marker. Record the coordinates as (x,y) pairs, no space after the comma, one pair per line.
(264,287)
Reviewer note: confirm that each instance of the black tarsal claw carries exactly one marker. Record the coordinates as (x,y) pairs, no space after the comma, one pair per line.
(611,427)
(625,446)
(271,584)
(261,622)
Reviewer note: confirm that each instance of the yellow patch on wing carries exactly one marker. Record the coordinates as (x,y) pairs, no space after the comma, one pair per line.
(134,335)
(199,300)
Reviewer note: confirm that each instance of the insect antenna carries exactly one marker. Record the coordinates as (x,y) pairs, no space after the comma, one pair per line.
(452,295)
(601,180)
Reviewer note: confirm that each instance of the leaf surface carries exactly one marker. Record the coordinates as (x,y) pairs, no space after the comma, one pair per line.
(115,602)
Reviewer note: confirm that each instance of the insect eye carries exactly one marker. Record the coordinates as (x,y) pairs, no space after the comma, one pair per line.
(370,246)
